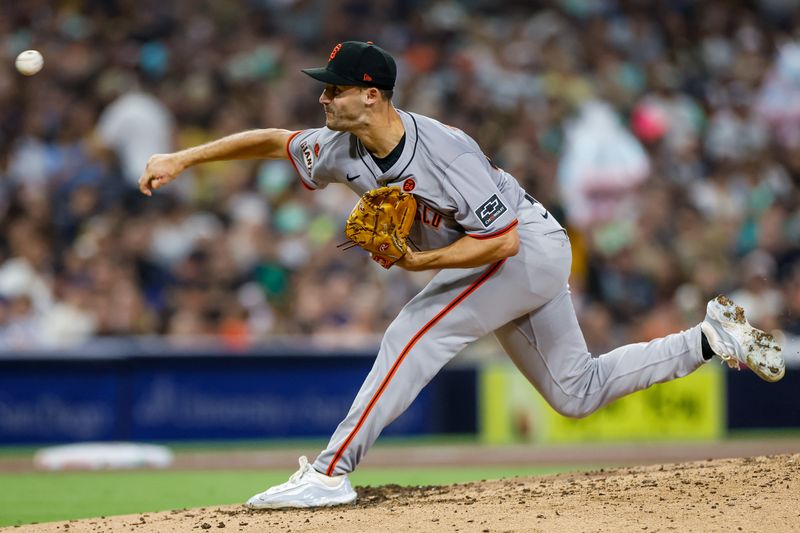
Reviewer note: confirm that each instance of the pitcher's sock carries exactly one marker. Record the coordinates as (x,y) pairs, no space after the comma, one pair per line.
(708,353)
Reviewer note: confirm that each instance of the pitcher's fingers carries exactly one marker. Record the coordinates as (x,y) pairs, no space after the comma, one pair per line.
(144,186)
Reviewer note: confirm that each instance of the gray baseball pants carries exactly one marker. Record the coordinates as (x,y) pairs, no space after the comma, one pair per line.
(525,301)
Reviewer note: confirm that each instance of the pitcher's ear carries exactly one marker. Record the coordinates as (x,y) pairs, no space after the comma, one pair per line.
(373,94)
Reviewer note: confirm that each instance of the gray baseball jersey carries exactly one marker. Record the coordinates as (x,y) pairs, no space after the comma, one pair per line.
(524,299)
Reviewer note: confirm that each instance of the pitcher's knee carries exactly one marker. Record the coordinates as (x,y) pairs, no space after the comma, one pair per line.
(575,407)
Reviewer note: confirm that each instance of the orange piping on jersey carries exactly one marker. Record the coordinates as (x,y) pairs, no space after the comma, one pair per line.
(385,383)
(291,160)
(496,233)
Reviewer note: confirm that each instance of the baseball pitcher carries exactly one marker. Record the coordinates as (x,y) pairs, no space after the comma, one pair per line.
(503,259)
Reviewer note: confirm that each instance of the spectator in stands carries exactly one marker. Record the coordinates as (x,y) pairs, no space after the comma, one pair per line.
(709,88)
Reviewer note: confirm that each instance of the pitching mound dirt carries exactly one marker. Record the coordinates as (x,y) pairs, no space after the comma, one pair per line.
(749,494)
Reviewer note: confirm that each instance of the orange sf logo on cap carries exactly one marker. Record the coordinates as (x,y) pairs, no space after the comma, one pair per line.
(335,51)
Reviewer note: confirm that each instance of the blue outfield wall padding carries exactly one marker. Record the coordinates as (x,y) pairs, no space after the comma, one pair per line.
(202,397)
(59,401)
(755,404)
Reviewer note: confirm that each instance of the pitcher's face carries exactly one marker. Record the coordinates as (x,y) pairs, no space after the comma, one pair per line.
(345,107)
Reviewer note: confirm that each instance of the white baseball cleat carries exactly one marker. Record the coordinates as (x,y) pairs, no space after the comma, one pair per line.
(305,488)
(735,341)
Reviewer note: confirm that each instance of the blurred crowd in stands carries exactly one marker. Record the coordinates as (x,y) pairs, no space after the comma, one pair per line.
(665,134)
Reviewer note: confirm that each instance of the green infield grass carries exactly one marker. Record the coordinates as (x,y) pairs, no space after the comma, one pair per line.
(49,496)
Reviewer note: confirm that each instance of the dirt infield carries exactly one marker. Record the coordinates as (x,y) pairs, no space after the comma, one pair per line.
(744,494)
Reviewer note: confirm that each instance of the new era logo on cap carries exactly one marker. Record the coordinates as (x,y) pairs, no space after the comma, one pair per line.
(357,63)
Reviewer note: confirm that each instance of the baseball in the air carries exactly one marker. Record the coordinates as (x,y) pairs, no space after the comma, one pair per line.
(29,62)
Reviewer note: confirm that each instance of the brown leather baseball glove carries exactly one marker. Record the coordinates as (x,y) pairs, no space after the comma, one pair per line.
(380,223)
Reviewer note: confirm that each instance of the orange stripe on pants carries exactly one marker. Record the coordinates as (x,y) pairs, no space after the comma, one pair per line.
(385,383)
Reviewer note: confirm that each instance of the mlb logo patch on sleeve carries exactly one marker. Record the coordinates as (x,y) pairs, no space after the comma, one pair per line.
(490,210)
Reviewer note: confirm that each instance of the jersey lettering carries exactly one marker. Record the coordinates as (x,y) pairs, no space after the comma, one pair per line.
(490,210)
(308,159)
(428,216)
(461,193)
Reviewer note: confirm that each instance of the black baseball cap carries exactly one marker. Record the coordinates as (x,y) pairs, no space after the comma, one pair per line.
(357,63)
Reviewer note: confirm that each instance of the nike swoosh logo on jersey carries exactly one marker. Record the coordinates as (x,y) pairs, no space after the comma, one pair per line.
(353,178)
(534,201)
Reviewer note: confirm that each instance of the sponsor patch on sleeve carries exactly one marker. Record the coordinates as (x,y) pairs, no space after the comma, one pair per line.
(490,210)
